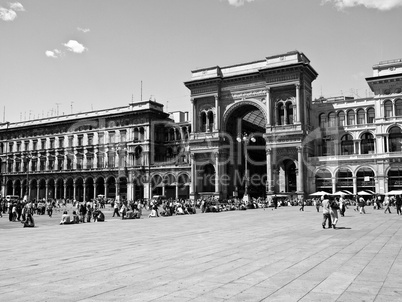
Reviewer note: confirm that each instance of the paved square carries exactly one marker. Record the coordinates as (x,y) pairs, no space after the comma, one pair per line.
(253,255)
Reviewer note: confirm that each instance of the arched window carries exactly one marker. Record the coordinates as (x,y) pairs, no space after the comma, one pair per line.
(332,119)
(203,122)
(367,143)
(347,144)
(395,139)
(210,120)
(323,180)
(341,118)
(323,120)
(388,109)
(361,118)
(370,116)
(289,111)
(398,108)
(281,114)
(351,117)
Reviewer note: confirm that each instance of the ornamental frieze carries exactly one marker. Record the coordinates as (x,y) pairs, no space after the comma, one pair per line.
(249,94)
(283,78)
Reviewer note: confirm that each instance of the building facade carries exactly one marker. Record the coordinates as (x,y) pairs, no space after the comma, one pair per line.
(127,152)
(358,144)
(255,131)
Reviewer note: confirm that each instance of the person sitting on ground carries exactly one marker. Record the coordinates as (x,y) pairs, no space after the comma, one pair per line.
(29,221)
(75,219)
(65,219)
(98,216)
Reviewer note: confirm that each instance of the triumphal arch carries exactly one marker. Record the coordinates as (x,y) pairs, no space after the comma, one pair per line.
(250,122)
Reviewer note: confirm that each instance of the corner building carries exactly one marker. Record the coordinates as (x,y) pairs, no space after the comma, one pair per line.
(129,152)
(358,141)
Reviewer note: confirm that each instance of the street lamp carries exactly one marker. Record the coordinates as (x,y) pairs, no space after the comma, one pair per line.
(28,157)
(246,138)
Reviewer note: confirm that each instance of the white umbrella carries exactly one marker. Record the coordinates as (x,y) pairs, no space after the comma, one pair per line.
(319,193)
(363,193)
(394,192)
(339,193)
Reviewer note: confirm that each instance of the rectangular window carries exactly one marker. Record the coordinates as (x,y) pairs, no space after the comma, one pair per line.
(43,143)
(101,138)
(10,147)
(90,139)
(111,137)
(80,140)
(35,145)
(26,148)
(52,143)
(123,136)
(70,141)
(18,146)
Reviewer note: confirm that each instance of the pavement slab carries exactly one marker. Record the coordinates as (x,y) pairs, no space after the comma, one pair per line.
(253,255)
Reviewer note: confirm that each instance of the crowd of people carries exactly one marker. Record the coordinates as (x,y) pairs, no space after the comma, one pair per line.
(84,212)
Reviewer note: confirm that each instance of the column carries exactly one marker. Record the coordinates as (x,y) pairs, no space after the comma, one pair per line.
(37,190)
(268,106)
(333,179)
(177,191)
(65,189)
(74,190)
(217,113)
(84,160)
(95,185)
(207,122)
(298,105)
(354,185)
(47,189)
(268,152)
(84,185)
(163,190)
(193,175)
(29,191)
(95,159)
(285,114)
(300,185)
(194,122)
(47,163)
(217,173)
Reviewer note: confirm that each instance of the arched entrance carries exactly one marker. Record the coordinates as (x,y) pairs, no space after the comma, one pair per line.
(394,178)
(156,185)
(287,176)
(365,179)
(79,189)
(246,167)
(344,180)
(170,186)
(323,181)
(100,186)
(89,188)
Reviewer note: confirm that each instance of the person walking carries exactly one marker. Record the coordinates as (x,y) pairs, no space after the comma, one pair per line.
(342,205)
(398,204)
(333,211)
(326,211)
(361,204)
(116,209)
(386,204)
(317,204)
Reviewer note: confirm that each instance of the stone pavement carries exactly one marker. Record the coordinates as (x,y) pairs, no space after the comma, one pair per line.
(253,255)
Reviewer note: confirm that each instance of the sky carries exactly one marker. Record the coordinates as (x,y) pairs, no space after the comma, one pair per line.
(62,57)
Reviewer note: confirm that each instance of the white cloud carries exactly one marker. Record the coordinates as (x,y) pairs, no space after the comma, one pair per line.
(382,5)
(16,6)
(9,14)
(84,30)
(74,46)
(55,53)
(238,3)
